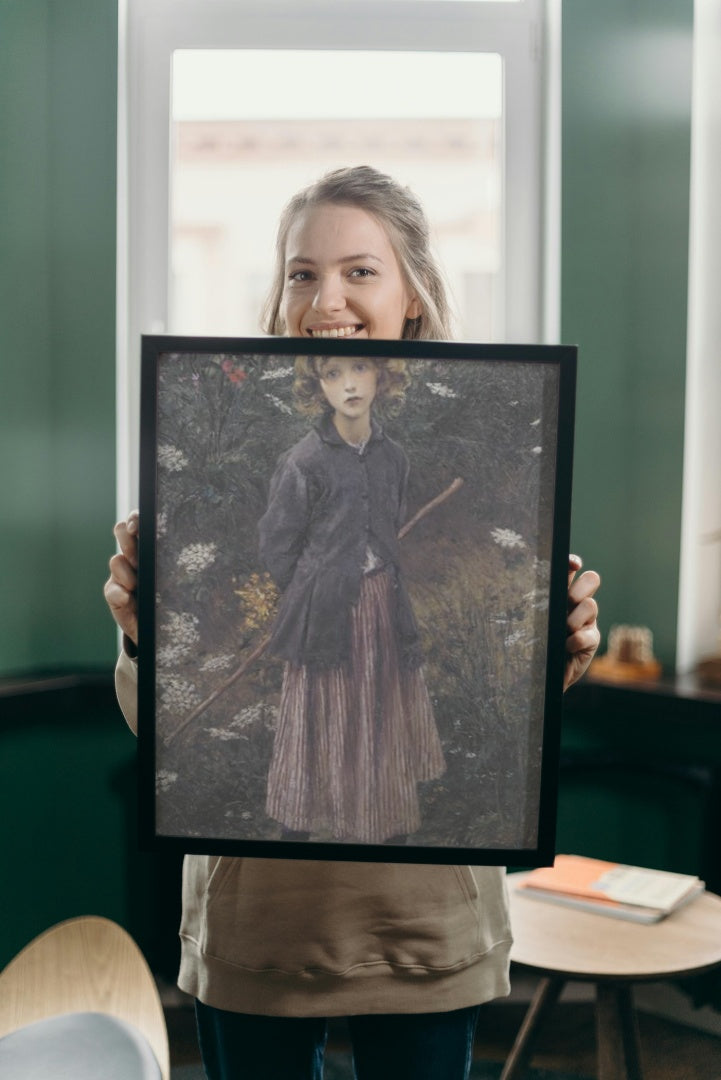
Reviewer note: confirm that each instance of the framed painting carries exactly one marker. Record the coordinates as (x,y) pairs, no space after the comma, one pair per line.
(352,597)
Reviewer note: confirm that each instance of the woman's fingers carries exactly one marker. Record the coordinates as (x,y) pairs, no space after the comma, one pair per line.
(123,607)
(121,587)
(583,636)
(126,534)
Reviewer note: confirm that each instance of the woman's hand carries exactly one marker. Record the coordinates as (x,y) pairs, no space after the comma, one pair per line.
(583,635)
(121,587)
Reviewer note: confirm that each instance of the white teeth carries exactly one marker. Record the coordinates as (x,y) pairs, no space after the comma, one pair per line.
(336,332)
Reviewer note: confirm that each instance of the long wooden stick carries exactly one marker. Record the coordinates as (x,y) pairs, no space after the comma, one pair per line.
(237,674)
(450,490)
(262,646)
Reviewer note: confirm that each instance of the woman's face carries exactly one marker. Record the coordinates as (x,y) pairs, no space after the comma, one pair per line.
(349,385)
(342,277)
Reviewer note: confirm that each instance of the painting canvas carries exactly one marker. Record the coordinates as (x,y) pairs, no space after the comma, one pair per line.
(353,651)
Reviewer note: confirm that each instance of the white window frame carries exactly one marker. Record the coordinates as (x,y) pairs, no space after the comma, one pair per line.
(699,597)
(526,34)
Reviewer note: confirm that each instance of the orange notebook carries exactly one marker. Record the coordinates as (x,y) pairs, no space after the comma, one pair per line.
(631,892)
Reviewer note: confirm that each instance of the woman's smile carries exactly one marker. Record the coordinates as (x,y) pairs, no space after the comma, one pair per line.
(335,331)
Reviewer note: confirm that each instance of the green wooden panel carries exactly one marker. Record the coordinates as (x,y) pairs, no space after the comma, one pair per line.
(67,785)
(68,796)
(58,73)
(626,146)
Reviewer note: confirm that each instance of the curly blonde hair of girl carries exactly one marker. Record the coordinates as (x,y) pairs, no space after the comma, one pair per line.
(393,381)
(402,216)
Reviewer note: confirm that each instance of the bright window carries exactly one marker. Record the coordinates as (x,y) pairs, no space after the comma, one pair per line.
(236,159)
(227,107)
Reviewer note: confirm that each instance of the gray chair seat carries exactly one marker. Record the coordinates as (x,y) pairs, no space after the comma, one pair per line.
(78,1046)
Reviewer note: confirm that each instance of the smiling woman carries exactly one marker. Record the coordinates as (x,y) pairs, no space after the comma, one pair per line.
(331,292)
(353,259)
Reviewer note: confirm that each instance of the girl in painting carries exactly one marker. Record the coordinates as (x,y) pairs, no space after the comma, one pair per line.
(356,730)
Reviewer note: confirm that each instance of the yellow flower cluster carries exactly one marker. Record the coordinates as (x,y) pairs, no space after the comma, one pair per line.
(259,601)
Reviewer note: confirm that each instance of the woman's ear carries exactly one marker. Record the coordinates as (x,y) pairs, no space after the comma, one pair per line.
(415,309)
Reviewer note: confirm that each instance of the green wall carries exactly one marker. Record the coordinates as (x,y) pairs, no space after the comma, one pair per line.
(625,200)
(58,71)
(626,128)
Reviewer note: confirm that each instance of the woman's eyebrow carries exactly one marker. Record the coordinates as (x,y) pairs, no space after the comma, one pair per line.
(302,260)
(361,257)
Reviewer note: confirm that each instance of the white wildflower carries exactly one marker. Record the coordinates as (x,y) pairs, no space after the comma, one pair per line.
(542,570)
(515,637)
(441,390)
(537,598)
(262,714)
(253,714)
(169,655)
(164,779)
(277,373)
(280,404)
(171,458)
(177,695)
(181,629)
(179,633)
(196,557)
(470,754)
(246,815)
(537,450)
(507,538)
(535,423)
(217,663)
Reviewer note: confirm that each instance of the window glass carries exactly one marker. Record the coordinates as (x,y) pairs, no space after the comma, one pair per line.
(432,120)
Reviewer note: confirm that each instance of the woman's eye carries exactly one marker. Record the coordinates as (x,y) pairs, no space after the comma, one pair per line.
(332,373)
(362,272)
(299,276)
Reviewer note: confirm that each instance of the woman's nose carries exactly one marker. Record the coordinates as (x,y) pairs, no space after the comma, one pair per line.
(329,295)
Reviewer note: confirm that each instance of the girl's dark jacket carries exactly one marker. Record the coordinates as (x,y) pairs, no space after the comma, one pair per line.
(327,503)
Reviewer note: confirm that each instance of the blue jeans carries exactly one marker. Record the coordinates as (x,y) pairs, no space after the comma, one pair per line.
(413,1046)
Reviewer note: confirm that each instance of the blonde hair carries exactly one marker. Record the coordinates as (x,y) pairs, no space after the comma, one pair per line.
(393,381)
(402,216)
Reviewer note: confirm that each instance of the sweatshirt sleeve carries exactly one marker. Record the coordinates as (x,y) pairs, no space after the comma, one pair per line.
(126,688)
(282,529)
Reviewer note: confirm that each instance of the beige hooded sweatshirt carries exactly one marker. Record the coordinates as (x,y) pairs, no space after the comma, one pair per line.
(284,937)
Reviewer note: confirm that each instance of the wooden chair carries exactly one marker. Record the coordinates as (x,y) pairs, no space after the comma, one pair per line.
(77,976)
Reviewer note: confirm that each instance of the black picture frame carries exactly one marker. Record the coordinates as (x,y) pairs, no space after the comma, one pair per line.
(484,571)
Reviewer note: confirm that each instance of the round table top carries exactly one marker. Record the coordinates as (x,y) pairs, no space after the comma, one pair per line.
(559,940)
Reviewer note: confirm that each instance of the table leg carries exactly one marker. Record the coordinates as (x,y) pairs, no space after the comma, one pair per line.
(545,997)
(617,1033)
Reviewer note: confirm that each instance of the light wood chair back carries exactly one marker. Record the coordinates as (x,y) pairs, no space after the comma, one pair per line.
(87,964)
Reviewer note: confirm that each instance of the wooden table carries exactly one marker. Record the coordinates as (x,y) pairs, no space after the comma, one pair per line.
(563,944)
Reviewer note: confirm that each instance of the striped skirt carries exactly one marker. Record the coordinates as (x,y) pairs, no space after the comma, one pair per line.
(352,742)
